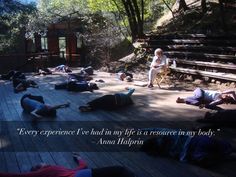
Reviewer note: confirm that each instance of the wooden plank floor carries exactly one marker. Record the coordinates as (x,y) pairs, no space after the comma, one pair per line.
(150,105)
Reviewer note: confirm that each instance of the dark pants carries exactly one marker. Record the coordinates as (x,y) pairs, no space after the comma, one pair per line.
(8,76)
(25,83)
(107,102)
(73,86)
(114,171)
(221,118)
(204,150)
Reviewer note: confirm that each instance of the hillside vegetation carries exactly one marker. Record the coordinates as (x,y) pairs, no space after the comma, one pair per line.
(216,19)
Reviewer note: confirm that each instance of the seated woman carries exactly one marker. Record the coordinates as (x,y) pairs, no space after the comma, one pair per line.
(20,83)
(159,62)
(209,98)
(200,150)
(36,106)
(44,170)
(109,102)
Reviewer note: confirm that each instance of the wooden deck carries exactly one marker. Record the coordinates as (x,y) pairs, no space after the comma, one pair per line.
(150,105)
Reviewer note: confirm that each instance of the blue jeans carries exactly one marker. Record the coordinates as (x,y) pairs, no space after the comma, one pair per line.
(197,98)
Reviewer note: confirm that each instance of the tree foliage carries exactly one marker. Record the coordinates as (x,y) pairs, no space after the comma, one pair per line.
(13,17)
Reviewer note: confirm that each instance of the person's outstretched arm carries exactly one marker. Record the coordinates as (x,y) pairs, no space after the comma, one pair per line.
(130,91)
(213,104)
(231,92)
(65,105)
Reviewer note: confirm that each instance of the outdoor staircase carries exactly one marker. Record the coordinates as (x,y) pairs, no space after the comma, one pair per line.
(199,55)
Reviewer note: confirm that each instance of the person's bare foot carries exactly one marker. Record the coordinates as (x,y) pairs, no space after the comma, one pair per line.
(67,104)
(37,167)
(150,85)
(76,157)
(128,88)
(180,100)
(85,108)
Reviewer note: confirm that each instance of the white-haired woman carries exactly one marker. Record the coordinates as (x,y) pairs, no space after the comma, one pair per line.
(159,61)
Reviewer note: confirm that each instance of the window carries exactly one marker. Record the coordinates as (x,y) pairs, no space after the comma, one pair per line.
(44,43)
(62,46)
(79,40)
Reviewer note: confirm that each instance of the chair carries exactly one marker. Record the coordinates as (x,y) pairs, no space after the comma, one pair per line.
(162,75)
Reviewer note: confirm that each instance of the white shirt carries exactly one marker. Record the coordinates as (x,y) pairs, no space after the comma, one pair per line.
(210,95)
(159,61)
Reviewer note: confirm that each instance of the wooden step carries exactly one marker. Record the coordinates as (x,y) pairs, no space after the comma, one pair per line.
(208,49)
(190,36)
(200,56)
(207,42)
(206,64)
(218,75)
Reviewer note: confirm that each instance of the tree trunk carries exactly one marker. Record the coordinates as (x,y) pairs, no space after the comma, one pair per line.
(142,7)
(167,5)
(204,7)
(122,17)
(222,11)
(131,18)
(182,5)
(138,17)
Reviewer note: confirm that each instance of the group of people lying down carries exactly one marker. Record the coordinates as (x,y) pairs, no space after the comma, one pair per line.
(75,82)
(36,106)
(81,82)
(62,69)
(19,81)
(202,98)
(43,170)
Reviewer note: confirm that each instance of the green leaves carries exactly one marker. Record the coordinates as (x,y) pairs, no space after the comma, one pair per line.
(13,19)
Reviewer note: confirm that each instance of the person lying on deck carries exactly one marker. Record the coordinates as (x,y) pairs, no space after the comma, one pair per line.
(9,75)
(199,150)
(20,83)
(88,70)
(220,118)
(36,106)
(43,71)
(209,98)
(109,102)
(82,170)
(125,76)
(77,83)
(76,86)
(62,68)
(158,63)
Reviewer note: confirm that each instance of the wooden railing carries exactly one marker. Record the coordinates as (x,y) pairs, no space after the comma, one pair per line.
(30,61)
